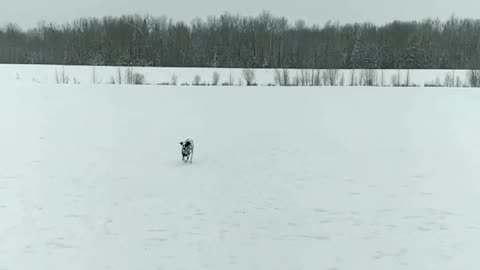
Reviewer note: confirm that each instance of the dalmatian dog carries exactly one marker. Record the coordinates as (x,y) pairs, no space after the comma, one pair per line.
(187,150)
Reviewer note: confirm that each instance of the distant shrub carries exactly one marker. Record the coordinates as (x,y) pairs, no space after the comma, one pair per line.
(395,80)
(138,78)
(132,77)
(174,79)
(435,83)
(215,78)
(197,80)
(458,82)
(449,80)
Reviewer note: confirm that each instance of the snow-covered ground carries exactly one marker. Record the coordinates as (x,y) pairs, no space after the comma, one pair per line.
(283,178)
(51,74)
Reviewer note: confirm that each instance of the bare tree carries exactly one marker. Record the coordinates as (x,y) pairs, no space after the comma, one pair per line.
(369,77)
(65,78)
(281,77)
(304,77)
(94,76)
(277,77)
(407,79)
(382,78)
(474,78)
(296,79)
(215,78)
(342,80)
(325,77)
(60,78)
(301,77)
(353,80)
(286,77)
(57,78)
(317,78)
(119,76)
(330,77)
(249,76)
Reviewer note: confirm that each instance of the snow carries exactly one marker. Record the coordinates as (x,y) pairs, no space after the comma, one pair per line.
(283,177)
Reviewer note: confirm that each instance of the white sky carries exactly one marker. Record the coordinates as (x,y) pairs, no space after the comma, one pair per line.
(28,13)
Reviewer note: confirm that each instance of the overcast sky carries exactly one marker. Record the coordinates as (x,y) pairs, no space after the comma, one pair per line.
(28,13)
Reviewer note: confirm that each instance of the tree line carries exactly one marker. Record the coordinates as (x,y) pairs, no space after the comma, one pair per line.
(264,41)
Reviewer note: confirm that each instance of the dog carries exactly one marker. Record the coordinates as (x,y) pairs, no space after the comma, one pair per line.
(187,150)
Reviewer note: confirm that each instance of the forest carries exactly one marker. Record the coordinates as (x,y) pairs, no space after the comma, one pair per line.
(228,40)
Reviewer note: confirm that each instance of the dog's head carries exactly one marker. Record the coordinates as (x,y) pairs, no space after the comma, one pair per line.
(187,144)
